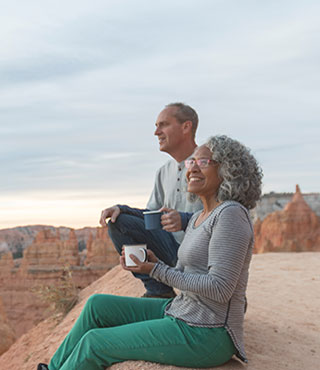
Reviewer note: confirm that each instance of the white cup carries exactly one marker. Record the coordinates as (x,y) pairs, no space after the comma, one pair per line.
(138,250)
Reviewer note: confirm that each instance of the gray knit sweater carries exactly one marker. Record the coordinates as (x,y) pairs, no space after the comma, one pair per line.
(212,272)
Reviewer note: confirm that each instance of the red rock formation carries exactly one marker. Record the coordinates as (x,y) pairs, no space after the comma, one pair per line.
(43,263)
(281,328)
(17,239)
(6,264)
(44,251)
(69,251)
(100,251)
(7,336)
(294,229)
(89,254)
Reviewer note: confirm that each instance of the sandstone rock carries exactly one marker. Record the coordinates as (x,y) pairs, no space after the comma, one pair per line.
(17,239)
(294,229)
(44,251)
(69,251)
(44,263)
(100,251)
(51,251)
(7,336)
(6,264)
(278,333)
(273,202)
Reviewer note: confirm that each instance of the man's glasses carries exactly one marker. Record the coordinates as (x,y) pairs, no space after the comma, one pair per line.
(202,163)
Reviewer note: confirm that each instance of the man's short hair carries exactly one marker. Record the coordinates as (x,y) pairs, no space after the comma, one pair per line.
(185,113)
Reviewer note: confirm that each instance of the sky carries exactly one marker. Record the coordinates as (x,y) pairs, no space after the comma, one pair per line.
(82,83)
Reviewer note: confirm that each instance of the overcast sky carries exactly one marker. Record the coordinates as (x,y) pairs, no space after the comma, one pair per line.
(82,82)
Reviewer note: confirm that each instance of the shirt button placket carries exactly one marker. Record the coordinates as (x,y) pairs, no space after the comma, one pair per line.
(178,182)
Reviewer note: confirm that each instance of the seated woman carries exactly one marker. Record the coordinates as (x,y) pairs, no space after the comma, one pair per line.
(203,325)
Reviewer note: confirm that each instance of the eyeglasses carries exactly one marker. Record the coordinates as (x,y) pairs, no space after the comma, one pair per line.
(202,163)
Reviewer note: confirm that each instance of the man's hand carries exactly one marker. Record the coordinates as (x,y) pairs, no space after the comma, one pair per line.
(112,212)
(171,220)
(142,267)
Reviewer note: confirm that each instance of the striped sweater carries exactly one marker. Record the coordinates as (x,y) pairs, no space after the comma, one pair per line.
(212,272)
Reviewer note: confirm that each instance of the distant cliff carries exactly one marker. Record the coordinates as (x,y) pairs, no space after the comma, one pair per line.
(17,239)
(44,262)
(296,228)
(273,202)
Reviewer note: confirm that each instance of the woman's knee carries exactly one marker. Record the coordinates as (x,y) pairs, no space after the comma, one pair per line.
(95,301)
(88,348)
(90,338)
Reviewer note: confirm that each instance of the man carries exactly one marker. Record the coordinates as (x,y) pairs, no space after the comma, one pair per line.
(176,126)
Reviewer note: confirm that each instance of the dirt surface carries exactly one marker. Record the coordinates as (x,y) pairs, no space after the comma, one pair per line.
(282,324)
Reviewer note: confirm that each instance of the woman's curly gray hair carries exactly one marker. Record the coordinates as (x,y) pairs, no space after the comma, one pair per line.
(240,172)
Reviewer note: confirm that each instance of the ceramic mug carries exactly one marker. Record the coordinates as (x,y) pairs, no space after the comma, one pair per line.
(139,250)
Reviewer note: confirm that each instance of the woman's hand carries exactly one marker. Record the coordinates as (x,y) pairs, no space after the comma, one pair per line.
(171,220)
(142,267)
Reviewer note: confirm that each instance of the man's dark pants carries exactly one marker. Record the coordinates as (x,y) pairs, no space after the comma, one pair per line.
(130,229)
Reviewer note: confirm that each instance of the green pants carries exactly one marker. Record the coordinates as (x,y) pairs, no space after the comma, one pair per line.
(112,329)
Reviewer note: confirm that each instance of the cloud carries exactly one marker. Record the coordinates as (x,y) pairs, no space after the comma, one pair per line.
(81,86)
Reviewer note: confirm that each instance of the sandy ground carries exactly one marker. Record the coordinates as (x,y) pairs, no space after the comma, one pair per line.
(282,324)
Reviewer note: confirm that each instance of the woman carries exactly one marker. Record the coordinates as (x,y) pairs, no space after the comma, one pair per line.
(203,325)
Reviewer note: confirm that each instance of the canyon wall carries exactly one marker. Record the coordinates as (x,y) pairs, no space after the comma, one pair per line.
(287,223)
(17,239)
(296,228)
(7,336)
(273,202)
(44,263)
